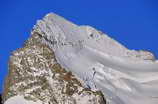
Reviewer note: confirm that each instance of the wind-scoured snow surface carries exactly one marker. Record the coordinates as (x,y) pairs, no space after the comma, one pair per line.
(124,76)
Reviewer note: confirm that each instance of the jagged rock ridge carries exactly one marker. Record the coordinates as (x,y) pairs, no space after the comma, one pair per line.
(97,61)
(36,77)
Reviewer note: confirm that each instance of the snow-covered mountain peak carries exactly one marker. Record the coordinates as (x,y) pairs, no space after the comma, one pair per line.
(60,32)
(99,62)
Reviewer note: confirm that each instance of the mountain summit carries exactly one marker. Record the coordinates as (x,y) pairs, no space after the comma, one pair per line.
(62,63)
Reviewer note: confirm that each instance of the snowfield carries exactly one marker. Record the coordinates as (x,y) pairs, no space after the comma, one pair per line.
(20,100)
(101,62)
(124,76)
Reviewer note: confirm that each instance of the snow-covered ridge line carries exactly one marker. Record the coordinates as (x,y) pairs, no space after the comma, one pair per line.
(124,76)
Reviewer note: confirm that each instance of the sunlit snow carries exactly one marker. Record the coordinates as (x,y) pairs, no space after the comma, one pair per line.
(124,76)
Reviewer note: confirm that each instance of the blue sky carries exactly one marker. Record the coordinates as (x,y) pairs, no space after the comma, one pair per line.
(133,23)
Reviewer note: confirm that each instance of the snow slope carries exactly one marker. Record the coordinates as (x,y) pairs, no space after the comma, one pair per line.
(20,100)
(124,76)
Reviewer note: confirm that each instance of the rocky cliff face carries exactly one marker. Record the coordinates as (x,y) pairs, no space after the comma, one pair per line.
(62,63)
(35,75)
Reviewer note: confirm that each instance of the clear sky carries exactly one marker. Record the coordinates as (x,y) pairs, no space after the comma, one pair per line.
(133,23)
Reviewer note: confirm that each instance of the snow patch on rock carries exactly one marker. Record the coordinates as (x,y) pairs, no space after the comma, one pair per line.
(20,100)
